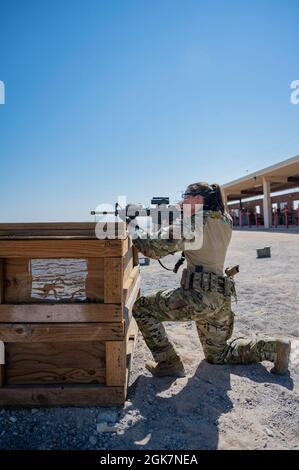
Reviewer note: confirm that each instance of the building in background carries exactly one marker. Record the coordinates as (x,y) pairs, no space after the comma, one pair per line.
(268,197)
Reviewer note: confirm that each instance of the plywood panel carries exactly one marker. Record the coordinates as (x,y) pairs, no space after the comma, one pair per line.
(46,374)
(80,354)
(29,363)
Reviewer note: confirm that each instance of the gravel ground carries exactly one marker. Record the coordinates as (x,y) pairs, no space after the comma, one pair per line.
(214,407)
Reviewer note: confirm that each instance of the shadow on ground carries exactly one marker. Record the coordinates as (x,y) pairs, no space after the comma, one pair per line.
(192,414)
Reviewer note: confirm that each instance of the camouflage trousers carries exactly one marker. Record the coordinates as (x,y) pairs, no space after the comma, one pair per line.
(214,320)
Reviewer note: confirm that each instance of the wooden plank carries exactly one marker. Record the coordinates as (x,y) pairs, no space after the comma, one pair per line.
(127,264)
(135,256)
(82,354)
(29,227)
(1,280)
(46,374)
(33,363)
(17,280)
(113,282)
(70,230)
(125,245)
(131,338)
(115,363)
(2,352)
(60,313)
(94,284)
(129,303)
(128,269)
(32,332)
(80,395)
(2,364)
(130,282)
(60,248)
(2,375)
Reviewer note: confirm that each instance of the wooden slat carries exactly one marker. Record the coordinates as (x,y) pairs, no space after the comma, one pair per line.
(80,395)
(113,288)
(2,364)
(1,280)
(135,256)
(115,363)
(46,374)
(17,280)
(134,294)
(29,227)
(125,246)
(128,269)
(82,354)
(70,332)
(130,282)
(62,248)
(131,337)
(29,363)
(2,352)
(94,284)
(86,230)
(127,264)
(60,313)
(2,375)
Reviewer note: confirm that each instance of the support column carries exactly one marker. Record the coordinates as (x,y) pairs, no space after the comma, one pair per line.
(267,203)
(224,197)
(240,213)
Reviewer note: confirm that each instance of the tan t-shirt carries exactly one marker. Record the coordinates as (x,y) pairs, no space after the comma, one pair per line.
(215,233)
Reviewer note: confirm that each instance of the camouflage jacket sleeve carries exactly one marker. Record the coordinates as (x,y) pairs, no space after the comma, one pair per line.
(157,248)
(162,242)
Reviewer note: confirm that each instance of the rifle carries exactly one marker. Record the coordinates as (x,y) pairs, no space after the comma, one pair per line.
(132,211)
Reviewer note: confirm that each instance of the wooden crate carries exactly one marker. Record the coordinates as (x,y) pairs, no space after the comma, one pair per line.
(66,323)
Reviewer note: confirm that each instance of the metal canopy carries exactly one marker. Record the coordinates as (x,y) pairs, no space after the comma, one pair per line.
(281,176)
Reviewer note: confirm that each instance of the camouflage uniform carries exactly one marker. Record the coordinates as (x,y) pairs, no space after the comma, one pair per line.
(210,309)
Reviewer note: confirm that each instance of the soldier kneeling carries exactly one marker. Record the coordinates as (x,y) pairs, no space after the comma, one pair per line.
(203,296)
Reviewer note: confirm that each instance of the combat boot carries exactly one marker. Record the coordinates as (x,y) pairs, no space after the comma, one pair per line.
(281,363)
(171,368)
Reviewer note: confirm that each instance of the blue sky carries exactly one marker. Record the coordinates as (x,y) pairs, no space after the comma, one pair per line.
(140,98)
